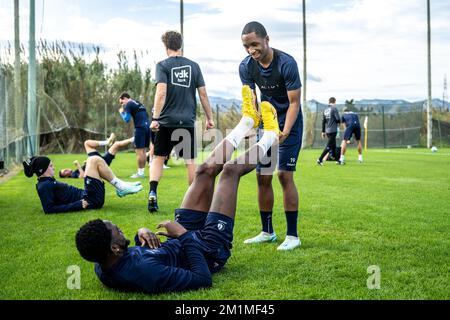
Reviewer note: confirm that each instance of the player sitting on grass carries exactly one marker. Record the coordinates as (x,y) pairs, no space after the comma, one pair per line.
(201,236)
(58,197)
(91,149)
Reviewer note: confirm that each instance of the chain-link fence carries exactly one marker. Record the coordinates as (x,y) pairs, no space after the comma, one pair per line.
(77,98)
(393,125)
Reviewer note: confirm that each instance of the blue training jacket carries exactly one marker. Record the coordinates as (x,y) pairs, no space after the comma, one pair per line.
(178,265)
(58,197)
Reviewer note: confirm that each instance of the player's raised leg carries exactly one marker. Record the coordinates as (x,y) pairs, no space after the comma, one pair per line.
(200,193)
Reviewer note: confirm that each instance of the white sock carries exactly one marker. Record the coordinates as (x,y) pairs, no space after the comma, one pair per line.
(103,143)
(141,171)
(342,158)
(267,140)
(132,140)
(360,157)
(118,184)
(238,133)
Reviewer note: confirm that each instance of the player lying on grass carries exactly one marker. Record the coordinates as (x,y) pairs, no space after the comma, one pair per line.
(201,236)
(91,149)
(58,197)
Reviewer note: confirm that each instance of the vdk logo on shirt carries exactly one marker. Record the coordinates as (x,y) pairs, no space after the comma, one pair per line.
(181,76)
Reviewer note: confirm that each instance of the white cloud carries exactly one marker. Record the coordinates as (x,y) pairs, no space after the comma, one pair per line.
(356,49)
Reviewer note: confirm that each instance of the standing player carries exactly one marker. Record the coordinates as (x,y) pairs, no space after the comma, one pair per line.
(136,110)
(174,113)
(353,127)
(330,123)
(276,74)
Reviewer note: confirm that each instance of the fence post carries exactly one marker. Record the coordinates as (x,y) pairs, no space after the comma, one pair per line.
(3,133)
(384,127)
(217,116)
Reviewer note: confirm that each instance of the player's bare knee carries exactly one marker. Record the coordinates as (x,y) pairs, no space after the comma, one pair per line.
(286,178)
(264,181)
(230,170)
(208,169)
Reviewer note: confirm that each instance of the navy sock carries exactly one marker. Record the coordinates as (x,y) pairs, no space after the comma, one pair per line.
(266,221)
(153,186)
(291,221)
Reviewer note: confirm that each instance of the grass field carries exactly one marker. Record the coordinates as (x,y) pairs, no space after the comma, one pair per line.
(393,211)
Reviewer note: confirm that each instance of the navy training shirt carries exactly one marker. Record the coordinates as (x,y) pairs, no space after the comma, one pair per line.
(178,265)
(286,76)
(58,197)
(350,118)
(183,77)
(138,113)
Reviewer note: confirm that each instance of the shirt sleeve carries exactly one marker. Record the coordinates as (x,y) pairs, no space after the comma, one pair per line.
(336,116)
(46,194)
(246,78)
(324,121)
(164,278)
(160,74)
(199,81)
(126,116)
(289,70)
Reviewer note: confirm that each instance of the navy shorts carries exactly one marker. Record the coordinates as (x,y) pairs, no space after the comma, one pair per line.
(108,157)
(142,137)
(286,154)
(182,139)
(94,192)
(352,129)
(213,232)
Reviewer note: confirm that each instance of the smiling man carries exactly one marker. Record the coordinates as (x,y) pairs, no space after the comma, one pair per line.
(277,77)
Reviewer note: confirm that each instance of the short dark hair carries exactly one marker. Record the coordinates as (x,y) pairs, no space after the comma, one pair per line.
(125,95)
(173,40)
(94,241)
(332,100)
(255,27)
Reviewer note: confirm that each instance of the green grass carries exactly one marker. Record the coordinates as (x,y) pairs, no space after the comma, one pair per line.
(392,211)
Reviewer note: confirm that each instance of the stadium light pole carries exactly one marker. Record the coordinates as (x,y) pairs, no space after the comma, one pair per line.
(304,53)
(18,103)
(32,110)
(182,23)
(304,67)
(429,103)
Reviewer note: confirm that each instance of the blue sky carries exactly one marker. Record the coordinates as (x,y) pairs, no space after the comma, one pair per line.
(358,49)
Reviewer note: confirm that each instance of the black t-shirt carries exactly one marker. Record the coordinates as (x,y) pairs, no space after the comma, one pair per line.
(182,77)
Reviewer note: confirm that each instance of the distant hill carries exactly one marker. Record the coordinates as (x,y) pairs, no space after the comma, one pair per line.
(225,104)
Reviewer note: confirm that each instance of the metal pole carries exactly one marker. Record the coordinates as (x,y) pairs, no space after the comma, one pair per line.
(305,78)
(182,23)
(384,127)
(217,116)
(32,110)
(304,53)
(18,103)
(429,104)
(7,119)
(106,122)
